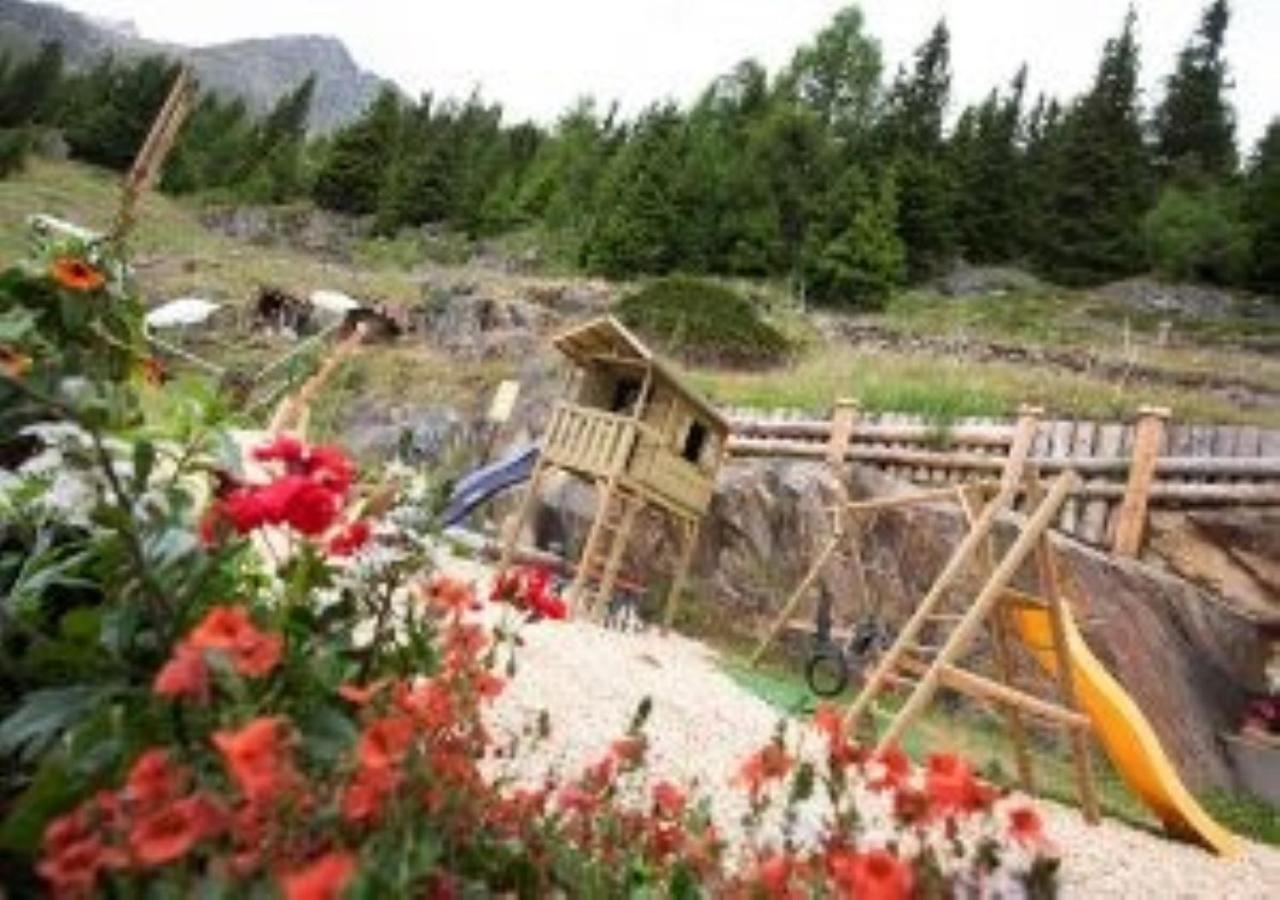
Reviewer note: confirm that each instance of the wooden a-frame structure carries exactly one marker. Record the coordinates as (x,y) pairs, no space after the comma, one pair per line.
(926,653)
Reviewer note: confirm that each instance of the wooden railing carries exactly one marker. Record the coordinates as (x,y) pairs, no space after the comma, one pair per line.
(590,441)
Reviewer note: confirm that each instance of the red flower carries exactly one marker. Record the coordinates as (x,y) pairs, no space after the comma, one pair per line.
(950,784)
(307,506)
(897,767)
(629,751)
(871,876)
(361,696)
(363,798)
(257,758)
(529,589)
(668,800)
(323,879)
(841,751)
(330,468)
(184,676)
(351,539)
(1025,826)
(774,875)
(170,833)
(74,869)
(285,448)
(229,630)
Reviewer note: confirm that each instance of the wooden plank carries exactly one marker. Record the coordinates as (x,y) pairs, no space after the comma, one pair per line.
(1082,448)
(843,417)
(1062,446)
(1131,522)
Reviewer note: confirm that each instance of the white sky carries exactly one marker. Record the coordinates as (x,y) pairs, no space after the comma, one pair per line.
(537,57)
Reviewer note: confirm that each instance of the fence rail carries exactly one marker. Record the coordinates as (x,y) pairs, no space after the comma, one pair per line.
(1149,461)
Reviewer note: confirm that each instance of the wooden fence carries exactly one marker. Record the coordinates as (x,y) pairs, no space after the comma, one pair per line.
(1126,466)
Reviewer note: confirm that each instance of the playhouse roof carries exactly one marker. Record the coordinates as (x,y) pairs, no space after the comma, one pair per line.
(607,342)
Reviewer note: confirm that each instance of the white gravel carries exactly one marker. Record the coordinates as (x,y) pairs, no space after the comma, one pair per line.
(590,681)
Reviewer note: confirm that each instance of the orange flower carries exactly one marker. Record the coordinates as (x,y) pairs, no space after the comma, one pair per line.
(257,758)
(360,696)
(171,832)
(229,630)
(448,593)
(185,674)
(154,781)
(323,879)
(774,875)
(12,363)
(75,274)
(152,371)
(766,764)
(629,751)
(385,742)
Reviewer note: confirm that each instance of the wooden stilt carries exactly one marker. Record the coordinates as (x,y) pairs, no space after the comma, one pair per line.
(796,597)
(691,529)
(617,548)
(606,491)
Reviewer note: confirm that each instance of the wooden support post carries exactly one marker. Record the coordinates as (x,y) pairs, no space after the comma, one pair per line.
(972,503)
(843,419)
(617,548)
(1024,436)
(692,528)
(599,525)
(796,596)
(991,592)
(1131,521)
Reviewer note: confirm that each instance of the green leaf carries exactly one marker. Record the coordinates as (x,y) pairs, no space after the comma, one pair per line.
(16,324)
(144,459)
(51,791)
(45,714)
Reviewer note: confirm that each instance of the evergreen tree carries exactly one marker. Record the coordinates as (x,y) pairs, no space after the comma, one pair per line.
(911,138)
(212,148)
(1099,176)
(639,222)
(108,110)
(273,168)
(354,171)
(1262,212)
(838,75)
(991,207)
(1195,125)
(855,258)
(28,89)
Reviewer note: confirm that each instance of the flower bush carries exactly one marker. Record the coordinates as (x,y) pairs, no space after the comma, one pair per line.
(241,673)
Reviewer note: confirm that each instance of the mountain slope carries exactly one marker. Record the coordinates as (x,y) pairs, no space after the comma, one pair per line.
(260,71)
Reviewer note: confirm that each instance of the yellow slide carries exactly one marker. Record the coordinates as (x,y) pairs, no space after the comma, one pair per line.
(1124,733)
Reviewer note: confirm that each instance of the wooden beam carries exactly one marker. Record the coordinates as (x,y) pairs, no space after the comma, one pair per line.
(1131,522)
(843,418)
(796,597)
(693,528)
(958,679)
(987,597)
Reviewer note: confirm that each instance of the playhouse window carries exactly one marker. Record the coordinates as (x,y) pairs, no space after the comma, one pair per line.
(694,441)
(626,391)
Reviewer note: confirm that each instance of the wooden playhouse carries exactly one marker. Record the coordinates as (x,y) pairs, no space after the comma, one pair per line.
(631,427)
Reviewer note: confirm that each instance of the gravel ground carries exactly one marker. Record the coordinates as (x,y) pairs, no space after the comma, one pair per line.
(591,680)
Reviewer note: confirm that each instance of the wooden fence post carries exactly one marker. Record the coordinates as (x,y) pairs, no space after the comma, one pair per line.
(1131,522)
(843,417)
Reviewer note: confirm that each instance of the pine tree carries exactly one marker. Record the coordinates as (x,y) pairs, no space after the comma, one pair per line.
(1195,125)
(991,208)
(108,110)
(212,147)
(1098,184)
(354,171)
(273,167)
(911,138)
(639,223)
(855,258)
(1262,212)
(838,75)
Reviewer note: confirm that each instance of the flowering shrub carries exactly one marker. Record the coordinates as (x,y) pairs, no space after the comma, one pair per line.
(189,711)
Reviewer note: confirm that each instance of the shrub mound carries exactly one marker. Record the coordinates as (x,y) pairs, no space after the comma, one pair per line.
(703,322)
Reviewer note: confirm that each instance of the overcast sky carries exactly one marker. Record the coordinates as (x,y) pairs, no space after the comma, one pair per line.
(537,57)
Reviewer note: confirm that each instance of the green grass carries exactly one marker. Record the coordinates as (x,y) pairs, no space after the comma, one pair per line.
(944,389)
(982,740)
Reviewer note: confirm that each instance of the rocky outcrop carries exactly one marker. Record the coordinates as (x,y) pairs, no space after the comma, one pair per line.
(1187,660)
(303,228)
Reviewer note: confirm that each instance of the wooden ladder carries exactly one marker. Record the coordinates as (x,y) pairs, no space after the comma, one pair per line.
(923,668)
(606,543)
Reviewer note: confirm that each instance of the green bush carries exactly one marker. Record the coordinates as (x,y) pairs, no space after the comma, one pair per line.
(704,322)
(1197,235)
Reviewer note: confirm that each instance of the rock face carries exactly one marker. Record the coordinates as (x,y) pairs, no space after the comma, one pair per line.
(302,228)
(1187,660)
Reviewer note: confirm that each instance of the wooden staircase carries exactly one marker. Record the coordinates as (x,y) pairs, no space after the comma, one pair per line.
(602,554)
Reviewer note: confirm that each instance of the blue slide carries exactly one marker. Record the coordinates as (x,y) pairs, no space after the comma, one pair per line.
(482,485)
